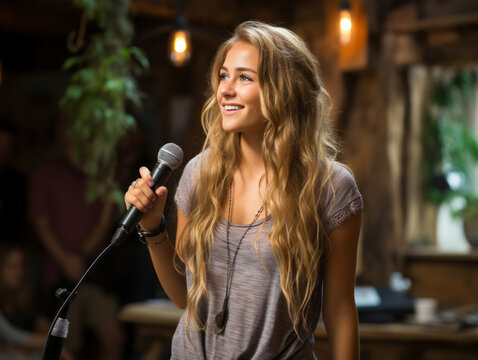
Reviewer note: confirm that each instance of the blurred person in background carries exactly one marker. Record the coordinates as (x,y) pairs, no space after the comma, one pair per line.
(23,329)
(73,232)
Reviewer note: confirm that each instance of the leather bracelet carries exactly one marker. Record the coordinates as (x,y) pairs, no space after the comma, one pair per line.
(154,243)
(144,234)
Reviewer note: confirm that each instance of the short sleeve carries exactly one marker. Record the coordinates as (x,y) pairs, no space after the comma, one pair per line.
(342,200)
(185,191)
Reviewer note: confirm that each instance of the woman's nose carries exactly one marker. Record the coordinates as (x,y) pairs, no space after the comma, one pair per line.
(227,88)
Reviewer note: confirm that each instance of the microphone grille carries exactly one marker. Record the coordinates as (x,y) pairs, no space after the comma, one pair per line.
(171,155)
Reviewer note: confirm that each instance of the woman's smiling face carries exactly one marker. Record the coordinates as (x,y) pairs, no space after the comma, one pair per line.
(238,93)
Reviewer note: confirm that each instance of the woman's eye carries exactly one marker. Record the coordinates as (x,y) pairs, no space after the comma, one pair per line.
(245,78)
(222,76)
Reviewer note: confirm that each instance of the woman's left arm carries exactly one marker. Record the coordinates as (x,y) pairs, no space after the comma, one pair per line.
(339,310)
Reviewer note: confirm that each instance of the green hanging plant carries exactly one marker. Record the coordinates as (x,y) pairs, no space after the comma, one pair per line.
(449,145)
(102,85)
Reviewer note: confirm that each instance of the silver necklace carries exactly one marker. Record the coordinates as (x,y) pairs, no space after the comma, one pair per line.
(221,316)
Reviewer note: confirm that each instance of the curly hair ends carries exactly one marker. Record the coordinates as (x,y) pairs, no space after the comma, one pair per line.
(297,148)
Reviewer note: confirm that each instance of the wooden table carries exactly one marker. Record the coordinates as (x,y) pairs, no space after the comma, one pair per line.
(155,323)
(400,341)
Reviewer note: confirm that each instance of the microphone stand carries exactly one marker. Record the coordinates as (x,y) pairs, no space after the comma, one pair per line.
(59,332)
(170,157)
(59,326)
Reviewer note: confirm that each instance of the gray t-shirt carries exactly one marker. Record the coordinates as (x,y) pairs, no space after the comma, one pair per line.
(258,325)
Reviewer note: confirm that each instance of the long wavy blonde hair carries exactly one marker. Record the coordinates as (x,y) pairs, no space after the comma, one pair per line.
(296,148)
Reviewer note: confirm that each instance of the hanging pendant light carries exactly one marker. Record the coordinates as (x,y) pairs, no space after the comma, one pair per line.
(180,43)
(345,23)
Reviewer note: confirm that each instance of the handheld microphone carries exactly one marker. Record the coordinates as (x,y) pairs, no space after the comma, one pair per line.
(170,157)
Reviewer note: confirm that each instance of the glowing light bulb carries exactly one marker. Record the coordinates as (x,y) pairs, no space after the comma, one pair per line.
(180,44)
(180,47)
(345,26)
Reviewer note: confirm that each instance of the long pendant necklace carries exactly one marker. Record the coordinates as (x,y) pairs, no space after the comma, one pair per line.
(221,316)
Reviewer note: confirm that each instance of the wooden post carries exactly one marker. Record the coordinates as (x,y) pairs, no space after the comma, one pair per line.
(373,148)
(420,222)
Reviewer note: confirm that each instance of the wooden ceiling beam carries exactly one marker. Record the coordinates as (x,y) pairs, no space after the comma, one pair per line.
(428,15)
(461,52)
(144,8)
(427,24)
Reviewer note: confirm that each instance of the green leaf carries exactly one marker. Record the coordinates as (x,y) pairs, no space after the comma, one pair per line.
(118,197)
(74,92)
(71,62)
(115,85)
(86,75)
(140,56)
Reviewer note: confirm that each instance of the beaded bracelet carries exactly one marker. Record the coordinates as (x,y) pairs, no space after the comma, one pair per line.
(143,234)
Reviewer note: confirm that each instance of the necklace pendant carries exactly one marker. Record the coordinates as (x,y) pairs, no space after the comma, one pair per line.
(220,320)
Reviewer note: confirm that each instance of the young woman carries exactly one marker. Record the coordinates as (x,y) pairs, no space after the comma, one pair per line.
(268,222)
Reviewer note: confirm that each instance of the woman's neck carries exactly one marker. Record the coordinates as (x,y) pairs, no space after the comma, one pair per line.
(252,162)
(248,188)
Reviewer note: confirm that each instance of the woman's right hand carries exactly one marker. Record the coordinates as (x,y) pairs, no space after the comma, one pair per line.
(150,203)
